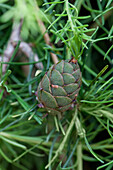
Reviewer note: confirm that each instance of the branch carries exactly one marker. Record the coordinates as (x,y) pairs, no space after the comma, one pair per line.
(61,146)
(98,22)
(24,48)
(46,36)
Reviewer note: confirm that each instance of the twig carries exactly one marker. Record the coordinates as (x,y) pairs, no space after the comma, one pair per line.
(10,46)
(59,150)
(46,35)
(27,50)
(24,48)
(79,157)
(99,21)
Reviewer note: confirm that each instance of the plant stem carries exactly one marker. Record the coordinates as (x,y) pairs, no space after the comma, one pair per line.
(46,35)
(79,157)
(59,150)
(69,15)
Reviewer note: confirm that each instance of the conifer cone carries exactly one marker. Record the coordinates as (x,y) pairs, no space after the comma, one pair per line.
(60,86)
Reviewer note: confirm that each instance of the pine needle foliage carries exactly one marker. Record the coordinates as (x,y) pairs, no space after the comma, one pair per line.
(83,137)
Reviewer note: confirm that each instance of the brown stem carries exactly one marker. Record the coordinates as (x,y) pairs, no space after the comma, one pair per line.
(27,50)
(99,21)
(46,35)
(24,48)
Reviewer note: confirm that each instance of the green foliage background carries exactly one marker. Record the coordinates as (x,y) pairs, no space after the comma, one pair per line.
(83,137)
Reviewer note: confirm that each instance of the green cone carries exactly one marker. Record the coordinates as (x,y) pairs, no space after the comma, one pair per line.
(60,86)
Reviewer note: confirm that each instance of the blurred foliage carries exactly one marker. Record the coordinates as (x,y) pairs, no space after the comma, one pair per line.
(24,10)
(83,137)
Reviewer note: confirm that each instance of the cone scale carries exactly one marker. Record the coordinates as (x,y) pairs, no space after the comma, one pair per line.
(60,86)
